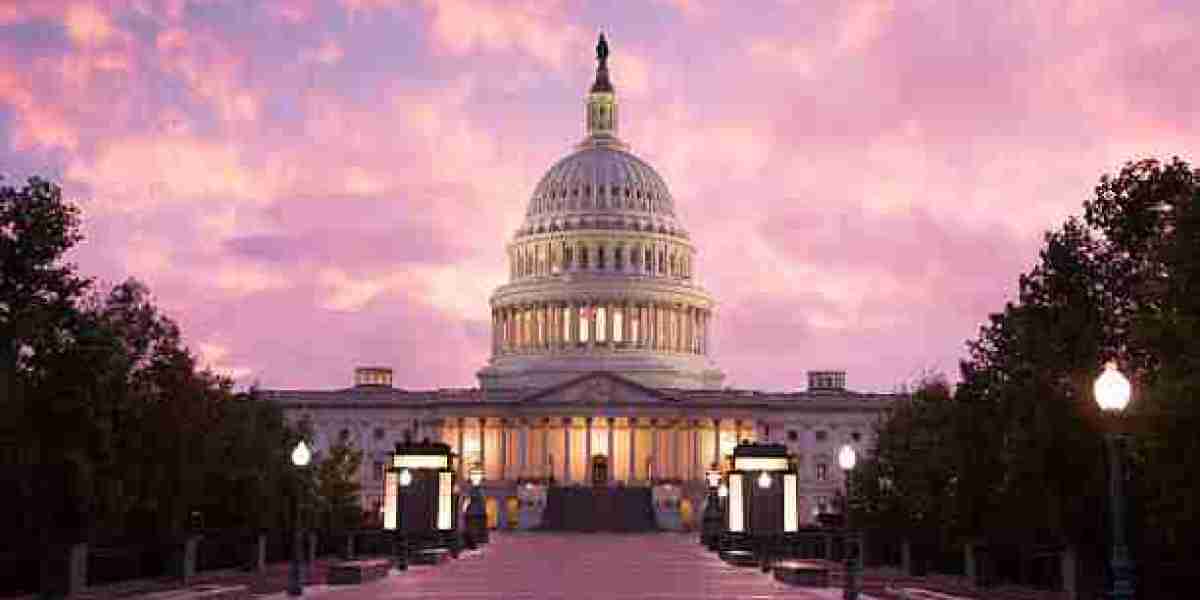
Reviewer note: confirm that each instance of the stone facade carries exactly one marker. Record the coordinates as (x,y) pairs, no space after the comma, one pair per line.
(601,369)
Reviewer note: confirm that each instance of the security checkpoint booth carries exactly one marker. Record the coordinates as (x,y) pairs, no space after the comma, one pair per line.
(761,504)
(421,503)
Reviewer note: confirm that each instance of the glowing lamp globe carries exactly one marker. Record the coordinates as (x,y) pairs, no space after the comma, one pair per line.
(764,480)
(847,457)
(405,478)
(722,491)
(476,476)
(300,454)
(1112,389)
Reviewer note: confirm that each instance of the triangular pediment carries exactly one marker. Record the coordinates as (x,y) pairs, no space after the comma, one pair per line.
(597,388)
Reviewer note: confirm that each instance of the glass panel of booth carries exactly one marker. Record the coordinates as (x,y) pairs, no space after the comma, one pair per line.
(445,513)
(791,512)
(391,480)
(421,461)
(736,513)
(761,463)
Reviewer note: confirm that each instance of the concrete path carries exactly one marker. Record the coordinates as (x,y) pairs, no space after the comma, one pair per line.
(529,566)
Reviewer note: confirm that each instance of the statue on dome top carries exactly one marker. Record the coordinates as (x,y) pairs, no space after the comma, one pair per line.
(602,49)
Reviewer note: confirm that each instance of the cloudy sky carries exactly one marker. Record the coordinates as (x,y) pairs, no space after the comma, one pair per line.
(307,186)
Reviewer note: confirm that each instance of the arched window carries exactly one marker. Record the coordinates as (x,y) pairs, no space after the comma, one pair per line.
(601,324)
(584,330)
(618,325)
(619,259)
(662,268)
(583,257)
(568,251)
(649,263)
(600,252)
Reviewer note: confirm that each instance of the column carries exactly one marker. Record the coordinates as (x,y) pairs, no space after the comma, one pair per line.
(555,326)
(697,469)
(548,327)
(549,471)
(482,445)
(612,452)
(566,449)
(717,442)
(573,330)
(690,329)
(651,337)
(523,449)
(654,459)
(462,456)
(632,423)
(677,451)
(587,452)
(503,449)
(625,326)
(591,343)
(609,310)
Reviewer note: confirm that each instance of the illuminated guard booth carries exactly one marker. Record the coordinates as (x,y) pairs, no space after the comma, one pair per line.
(761,504)
(421,502)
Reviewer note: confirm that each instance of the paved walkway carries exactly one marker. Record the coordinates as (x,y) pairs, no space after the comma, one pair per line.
(529,566)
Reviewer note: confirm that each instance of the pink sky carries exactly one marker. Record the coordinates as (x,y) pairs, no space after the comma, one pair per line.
(309,186)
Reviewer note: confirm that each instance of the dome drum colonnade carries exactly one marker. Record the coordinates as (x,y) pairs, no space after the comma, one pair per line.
(601,273)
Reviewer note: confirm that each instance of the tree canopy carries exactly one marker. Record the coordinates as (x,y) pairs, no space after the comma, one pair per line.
(1015,452)
(110,428)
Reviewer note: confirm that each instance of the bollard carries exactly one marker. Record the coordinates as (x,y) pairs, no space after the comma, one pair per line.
(258,554)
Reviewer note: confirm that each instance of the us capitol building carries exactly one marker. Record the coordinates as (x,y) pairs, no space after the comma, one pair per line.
(600,371)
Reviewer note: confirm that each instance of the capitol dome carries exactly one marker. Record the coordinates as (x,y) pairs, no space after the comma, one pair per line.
(601,272)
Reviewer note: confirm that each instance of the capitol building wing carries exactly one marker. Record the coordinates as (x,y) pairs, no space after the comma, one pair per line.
(600,371)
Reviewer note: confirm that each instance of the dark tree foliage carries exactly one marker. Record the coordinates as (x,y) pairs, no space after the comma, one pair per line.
(1015,455)
(337,487)
(111,430)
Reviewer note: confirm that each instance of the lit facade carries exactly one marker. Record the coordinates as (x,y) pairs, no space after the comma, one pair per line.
(601,370)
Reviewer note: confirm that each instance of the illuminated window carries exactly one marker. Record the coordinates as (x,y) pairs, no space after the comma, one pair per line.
(601,322)
(566,324)
(618,325)
(584,332)
(633,325)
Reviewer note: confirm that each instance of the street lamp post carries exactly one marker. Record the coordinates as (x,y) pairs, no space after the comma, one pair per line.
(405,479)
(847,459)
(300,458)
(1112,392)
(476,513)
(712,510)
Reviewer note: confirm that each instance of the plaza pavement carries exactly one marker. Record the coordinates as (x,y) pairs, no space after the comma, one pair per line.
(543,566)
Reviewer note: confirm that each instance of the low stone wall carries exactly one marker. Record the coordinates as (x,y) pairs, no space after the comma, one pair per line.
(352,572)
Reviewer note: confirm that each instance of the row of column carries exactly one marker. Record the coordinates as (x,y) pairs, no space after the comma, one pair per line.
(547,447)
(562,325)
(541,259)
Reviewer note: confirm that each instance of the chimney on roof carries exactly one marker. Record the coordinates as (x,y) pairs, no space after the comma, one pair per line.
(372,377)
(826,381)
